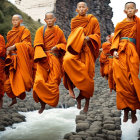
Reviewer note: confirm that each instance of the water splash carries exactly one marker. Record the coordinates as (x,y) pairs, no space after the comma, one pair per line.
(53,124)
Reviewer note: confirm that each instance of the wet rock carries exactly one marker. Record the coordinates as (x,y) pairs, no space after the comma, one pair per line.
(82,126)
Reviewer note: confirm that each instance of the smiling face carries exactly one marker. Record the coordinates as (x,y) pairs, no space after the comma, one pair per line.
(50,19)
(16,21)
(130,10)
(82,8)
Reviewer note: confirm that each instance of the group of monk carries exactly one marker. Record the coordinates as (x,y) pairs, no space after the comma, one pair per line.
(23,67)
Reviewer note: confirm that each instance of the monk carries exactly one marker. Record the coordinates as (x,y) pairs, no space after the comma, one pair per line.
(18,64)
(106,61)
(82,50)
(50,46)
(126,52)
(2,64)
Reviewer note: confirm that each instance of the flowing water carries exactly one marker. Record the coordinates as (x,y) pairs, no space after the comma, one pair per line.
(52,124)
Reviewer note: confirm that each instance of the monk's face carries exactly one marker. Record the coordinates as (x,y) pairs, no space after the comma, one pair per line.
(82,9)
(130,10)
(50,20)
(16,21)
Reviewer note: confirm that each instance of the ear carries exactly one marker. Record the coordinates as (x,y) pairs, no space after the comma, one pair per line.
(21,20)
(136,10)
(55,19)
(76,10)
(87,8)
(125,11)
(45,20)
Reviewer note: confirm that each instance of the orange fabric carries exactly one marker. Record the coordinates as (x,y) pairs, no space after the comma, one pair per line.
(80,68)
(2,64)
(126,67)
(19,63)
(111,81)
(104,60)
(49,72)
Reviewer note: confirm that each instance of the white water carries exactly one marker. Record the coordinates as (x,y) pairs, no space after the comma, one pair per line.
(52,124)
(129,130)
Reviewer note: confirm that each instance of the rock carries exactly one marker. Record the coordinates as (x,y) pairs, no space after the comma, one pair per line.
(66,136)
(109,126)
(82,126)
(2,128)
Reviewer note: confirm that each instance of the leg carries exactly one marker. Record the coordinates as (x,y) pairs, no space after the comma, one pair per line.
(133,116)
(42,106)
(1,102)
(79,98)
(126,111)
(71,92)
(86,105)
(14,101)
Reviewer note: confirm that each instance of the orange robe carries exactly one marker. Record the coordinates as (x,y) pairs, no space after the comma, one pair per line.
(104,59)
(79,66)
(126,67)
(19,63)
(2,64)
(49,72)
(106,62)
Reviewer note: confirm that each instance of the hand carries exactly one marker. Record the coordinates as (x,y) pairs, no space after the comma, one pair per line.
(115,54)
(86,40)
(9,49)
(55,49)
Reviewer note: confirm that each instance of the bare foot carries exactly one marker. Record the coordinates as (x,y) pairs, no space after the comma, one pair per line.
(14,101)
(71,93)
(42,107)
(86,105)
(133,116)
(1,102)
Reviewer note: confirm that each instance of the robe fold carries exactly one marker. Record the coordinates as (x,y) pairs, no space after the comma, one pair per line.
(2,64)
(79,67)
(19,63)
(126,67)
(49,67)
(106,62)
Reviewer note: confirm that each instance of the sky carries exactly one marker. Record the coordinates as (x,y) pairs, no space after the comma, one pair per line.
(118,7)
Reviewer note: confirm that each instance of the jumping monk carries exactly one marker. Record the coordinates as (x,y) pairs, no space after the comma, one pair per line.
(82,50)
(50,45)
(18,63)
(2,64)
(126,52)
(106,61)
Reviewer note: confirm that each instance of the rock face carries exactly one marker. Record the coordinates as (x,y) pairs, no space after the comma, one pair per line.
(65,11)
(36,8)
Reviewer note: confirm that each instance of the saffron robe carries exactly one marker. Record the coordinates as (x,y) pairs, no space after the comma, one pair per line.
(19,63)
(126,67)
(2,64)
(49,71)
(79,66)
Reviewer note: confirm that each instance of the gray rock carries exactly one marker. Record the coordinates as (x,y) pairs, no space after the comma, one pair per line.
(82,126)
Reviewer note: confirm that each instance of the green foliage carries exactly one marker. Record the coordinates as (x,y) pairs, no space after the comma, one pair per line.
(7,10)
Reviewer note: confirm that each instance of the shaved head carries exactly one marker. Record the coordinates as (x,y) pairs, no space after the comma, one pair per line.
(130,2)
(82,3)
(49,13)
(17,15)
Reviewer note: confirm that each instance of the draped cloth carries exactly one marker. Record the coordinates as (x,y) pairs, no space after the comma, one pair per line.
(2,64)
(49,70)
(106,63)
(19,63)
(126,67)
(79,66)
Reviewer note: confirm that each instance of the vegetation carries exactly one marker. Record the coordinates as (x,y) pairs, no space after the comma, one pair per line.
(7,10)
